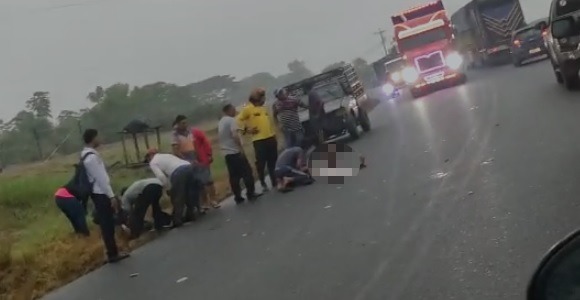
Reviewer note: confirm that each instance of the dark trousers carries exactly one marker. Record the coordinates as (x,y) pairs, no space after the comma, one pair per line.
(149,197)
(266,155)
(106,216)
(239,169)
(185,192)
(75,213)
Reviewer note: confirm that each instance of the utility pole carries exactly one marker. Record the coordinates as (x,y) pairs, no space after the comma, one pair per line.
(80,127)
(381,34)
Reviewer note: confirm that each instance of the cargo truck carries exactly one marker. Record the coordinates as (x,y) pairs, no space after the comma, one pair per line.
(483,30)
(424,37)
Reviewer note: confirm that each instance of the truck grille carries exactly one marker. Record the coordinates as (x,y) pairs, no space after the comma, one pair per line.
(429,62)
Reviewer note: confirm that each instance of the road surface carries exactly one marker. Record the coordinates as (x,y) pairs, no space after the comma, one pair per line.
(465,191)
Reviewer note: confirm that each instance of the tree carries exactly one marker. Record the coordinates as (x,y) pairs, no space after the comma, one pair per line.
(299,68)
(39,104)
(66,115)
(332,66)
(96,96)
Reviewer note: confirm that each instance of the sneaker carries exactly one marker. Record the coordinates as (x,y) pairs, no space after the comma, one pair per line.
(119,257)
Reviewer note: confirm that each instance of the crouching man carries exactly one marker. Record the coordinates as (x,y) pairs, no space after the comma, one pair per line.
(292,169)
(136,199)
(182,179)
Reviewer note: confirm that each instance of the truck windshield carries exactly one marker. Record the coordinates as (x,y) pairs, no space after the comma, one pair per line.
(394,66)
(330,91)
(565,7)
(422,39)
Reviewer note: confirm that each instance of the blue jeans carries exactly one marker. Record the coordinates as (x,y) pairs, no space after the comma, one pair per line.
(293,138)
(75,213)
(298,176)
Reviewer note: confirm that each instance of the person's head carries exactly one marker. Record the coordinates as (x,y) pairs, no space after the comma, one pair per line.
(91,138)
(281,94)
(150,154)
(258,97)
(229,110)
(180,122)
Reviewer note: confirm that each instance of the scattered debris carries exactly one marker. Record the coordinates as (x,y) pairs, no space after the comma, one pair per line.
(244,235)
(439,175)
(328,206)
(470,193)
(228,220)
(487,162)
(446,160)
(496,124)
(182,279)
(134,275)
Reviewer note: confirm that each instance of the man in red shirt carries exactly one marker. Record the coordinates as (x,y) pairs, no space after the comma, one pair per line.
(204,155)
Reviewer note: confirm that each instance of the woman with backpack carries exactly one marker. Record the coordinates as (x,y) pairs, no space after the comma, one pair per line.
(73,209)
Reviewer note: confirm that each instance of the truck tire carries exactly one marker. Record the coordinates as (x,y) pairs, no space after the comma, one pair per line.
(572,82)
(351,126)
(364,120)
(415,93)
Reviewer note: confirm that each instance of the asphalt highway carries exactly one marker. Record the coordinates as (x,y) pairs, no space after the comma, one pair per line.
(465,191)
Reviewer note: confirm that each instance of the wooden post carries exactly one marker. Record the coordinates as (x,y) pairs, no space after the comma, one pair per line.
(146,133)
(158,138)
(124,149)
(136,143)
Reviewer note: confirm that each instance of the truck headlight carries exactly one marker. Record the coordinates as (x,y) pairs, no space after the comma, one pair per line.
(396,76)
(454,60)
(388,89)
(410,75)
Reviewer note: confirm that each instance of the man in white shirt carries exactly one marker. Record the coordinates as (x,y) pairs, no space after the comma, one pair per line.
(183,180)
(106,203)
(136,199)
(236,161)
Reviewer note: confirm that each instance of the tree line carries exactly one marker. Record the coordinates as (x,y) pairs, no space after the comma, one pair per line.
(35,131)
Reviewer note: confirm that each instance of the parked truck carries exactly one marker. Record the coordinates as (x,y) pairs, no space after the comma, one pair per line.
(424,37)
(483,30)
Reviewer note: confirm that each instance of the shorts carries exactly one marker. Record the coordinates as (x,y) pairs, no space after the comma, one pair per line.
(205,175)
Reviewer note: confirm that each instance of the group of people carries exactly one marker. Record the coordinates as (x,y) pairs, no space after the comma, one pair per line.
(185,174)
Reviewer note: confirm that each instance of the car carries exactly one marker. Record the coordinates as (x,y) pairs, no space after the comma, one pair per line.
(528,44)
(563,41)
(342,93)
(394,78)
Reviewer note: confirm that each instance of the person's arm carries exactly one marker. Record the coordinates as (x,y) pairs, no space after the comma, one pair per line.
(300,103)
(207,145)
(241,120)
(96,169)
(160,175)
(127,199)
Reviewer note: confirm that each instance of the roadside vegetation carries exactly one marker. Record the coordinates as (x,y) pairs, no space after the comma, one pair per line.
(38,252)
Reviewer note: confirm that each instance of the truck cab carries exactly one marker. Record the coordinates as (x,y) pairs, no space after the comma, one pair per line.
(424,36)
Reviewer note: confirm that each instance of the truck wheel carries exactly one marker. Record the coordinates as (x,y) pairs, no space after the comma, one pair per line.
(364,120)
(415,93)
(351,126)
(572,82)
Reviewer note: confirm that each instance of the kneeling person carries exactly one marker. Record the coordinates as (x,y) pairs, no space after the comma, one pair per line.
(136,199)
(291,169)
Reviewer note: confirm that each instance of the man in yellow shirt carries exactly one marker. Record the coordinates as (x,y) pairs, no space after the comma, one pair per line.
(257,122)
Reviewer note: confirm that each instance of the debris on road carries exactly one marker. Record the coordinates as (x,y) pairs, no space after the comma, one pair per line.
(439,175)
(470,193)
(244,235)
(487,162)
(134,275)
(446,160)
(328,206)
(182,279)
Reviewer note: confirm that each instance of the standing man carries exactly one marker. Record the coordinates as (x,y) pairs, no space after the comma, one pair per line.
(233,151)
(285,111)
(182,179)
(204,157)
(136,199)
(105,201)
(182,139)
(258,124)
(316,113)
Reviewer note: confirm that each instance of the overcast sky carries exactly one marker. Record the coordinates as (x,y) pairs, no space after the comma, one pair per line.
(68,47)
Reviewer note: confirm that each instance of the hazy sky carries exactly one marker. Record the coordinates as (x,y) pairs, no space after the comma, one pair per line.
(68,47)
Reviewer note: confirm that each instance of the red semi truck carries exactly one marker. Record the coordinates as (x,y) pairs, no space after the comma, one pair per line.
(424,36)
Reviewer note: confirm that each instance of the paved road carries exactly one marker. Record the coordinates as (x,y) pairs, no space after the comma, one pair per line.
(466,190)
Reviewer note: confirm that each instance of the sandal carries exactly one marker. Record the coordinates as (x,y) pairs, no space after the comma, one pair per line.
(215,205)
